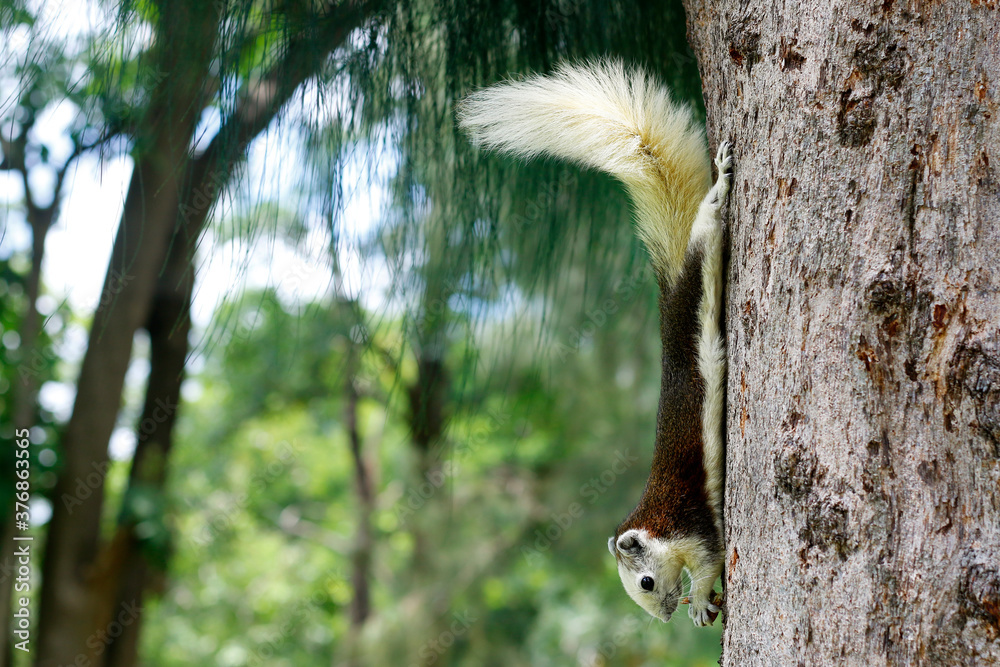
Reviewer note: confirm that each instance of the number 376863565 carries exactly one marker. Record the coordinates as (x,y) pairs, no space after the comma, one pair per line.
(22,469)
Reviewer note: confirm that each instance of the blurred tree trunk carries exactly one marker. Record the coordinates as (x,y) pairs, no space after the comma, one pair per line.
(26,388)
(862,503)
(7,569)
(40,219)
(88,586)
(427,402)
(364,540)
(78,573)
(429,409)
(142,526)
(362,551)
(170,319)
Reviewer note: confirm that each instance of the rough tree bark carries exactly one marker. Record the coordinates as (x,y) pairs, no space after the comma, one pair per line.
(863,460)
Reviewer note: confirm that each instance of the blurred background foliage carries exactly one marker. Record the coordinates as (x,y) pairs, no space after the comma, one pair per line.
(412,458)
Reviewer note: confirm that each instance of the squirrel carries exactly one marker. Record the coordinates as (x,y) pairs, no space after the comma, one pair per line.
(617,119)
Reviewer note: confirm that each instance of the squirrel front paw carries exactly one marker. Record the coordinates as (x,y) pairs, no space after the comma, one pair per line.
(723,161)
(723,157)
(702,611)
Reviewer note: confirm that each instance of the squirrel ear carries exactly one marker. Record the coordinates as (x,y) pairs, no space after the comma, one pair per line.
(611,545)
(630,543)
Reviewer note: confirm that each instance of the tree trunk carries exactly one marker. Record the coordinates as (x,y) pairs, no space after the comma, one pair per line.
(863,459)
(362,550)
(25,391)
(428,406)
(168,326)
(77,569)
(8,566)
(118,593)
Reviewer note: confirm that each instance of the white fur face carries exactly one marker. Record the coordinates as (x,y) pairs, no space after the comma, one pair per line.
(650,569)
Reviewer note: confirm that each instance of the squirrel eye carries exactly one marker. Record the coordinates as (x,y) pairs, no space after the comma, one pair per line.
(646,583)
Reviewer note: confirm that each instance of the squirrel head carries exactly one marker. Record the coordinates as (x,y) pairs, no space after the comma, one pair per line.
(650,569)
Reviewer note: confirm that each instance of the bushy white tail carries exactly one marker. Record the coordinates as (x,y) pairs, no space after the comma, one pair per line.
(609,117)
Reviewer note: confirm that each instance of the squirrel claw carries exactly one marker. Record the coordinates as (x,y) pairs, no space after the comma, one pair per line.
(723,157)
(703,612)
